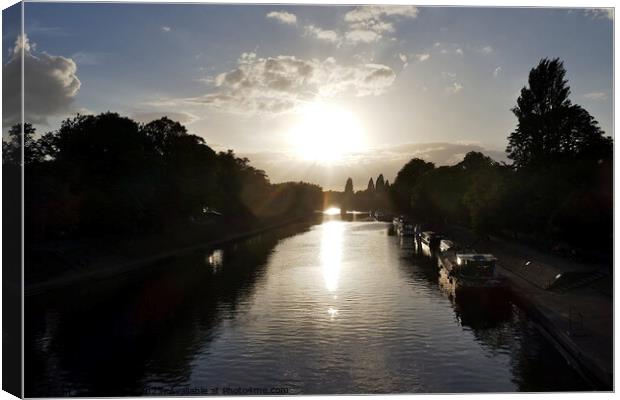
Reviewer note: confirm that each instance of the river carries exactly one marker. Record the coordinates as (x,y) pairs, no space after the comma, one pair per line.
(318,308)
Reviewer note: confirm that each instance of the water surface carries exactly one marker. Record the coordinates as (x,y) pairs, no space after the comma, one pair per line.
(336,307)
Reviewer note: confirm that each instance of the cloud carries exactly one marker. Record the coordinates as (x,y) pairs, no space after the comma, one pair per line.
(50,87)
(423,57)
(179,116)
(322,34)
(281,166)
(600,13)
(407,58)
(448,48)
(166,29)
(486,50)
(596,96)
(367,24)
(374,14)
(362,36)
(404,59)
(283,17)
(448,75)
(455,87)
(496,72)
(279,84)
(88,58)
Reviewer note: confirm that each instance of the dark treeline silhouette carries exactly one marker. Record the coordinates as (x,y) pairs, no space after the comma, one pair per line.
(109,175)
(558,191)
(375,197)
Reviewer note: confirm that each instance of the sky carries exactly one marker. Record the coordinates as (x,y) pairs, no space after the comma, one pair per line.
(314,93)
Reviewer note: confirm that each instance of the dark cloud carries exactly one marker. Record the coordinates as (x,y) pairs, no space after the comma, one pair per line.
(49,88)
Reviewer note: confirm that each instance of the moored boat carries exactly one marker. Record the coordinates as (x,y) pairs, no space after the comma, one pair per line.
(403,226)
(431,239)
(469,270)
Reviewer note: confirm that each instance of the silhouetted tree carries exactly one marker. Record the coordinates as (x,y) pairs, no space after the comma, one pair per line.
(371,186)
(348,187)
(11,149)
(106,174)
(380,184)
(549,127)
(406,179)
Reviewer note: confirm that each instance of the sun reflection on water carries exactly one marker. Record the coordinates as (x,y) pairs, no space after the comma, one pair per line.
(331,253)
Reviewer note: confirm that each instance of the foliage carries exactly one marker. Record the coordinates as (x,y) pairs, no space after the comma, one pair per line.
(550,128)
(371,186)
(406,179)
(107,174)
(558,189)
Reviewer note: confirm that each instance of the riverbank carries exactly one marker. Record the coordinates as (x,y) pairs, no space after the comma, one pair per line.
(577,317)
(112,259)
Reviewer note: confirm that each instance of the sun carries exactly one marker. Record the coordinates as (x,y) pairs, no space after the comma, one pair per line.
(326,133)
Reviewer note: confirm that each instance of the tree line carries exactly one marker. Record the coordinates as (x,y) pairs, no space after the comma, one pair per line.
(557,191)
(109,175)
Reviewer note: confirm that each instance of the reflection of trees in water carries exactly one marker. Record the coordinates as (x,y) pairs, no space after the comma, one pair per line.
(112,340)
(488,315)
(425,265)
(503,328)
(498,324)
(534,362)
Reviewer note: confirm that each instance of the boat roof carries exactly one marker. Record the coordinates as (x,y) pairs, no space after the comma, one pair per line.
(476,257)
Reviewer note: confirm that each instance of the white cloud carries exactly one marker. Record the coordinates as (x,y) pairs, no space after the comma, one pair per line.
(454,88)
(486,50)
(423,57)
(367,24)
(404,59)
(283,17)
(368,13)
(279,84)
(448,48)
(166,29)
(497,71)
(596,96)
(600,13)
(362,36)
(49,89)
(322,34)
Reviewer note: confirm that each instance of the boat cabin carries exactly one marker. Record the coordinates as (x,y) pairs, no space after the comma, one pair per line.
(445,245)
(476,264)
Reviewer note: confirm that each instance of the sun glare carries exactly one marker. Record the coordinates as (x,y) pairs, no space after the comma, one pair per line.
(332,211)
(326,133)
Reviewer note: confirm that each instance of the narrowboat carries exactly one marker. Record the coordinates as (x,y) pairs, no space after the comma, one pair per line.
(430,239)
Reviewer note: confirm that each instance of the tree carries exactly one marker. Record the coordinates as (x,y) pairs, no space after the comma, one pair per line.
(406,179)
(11,149)
(348,187)
(475,161)
(549,127)
(380,185)
(371,186)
